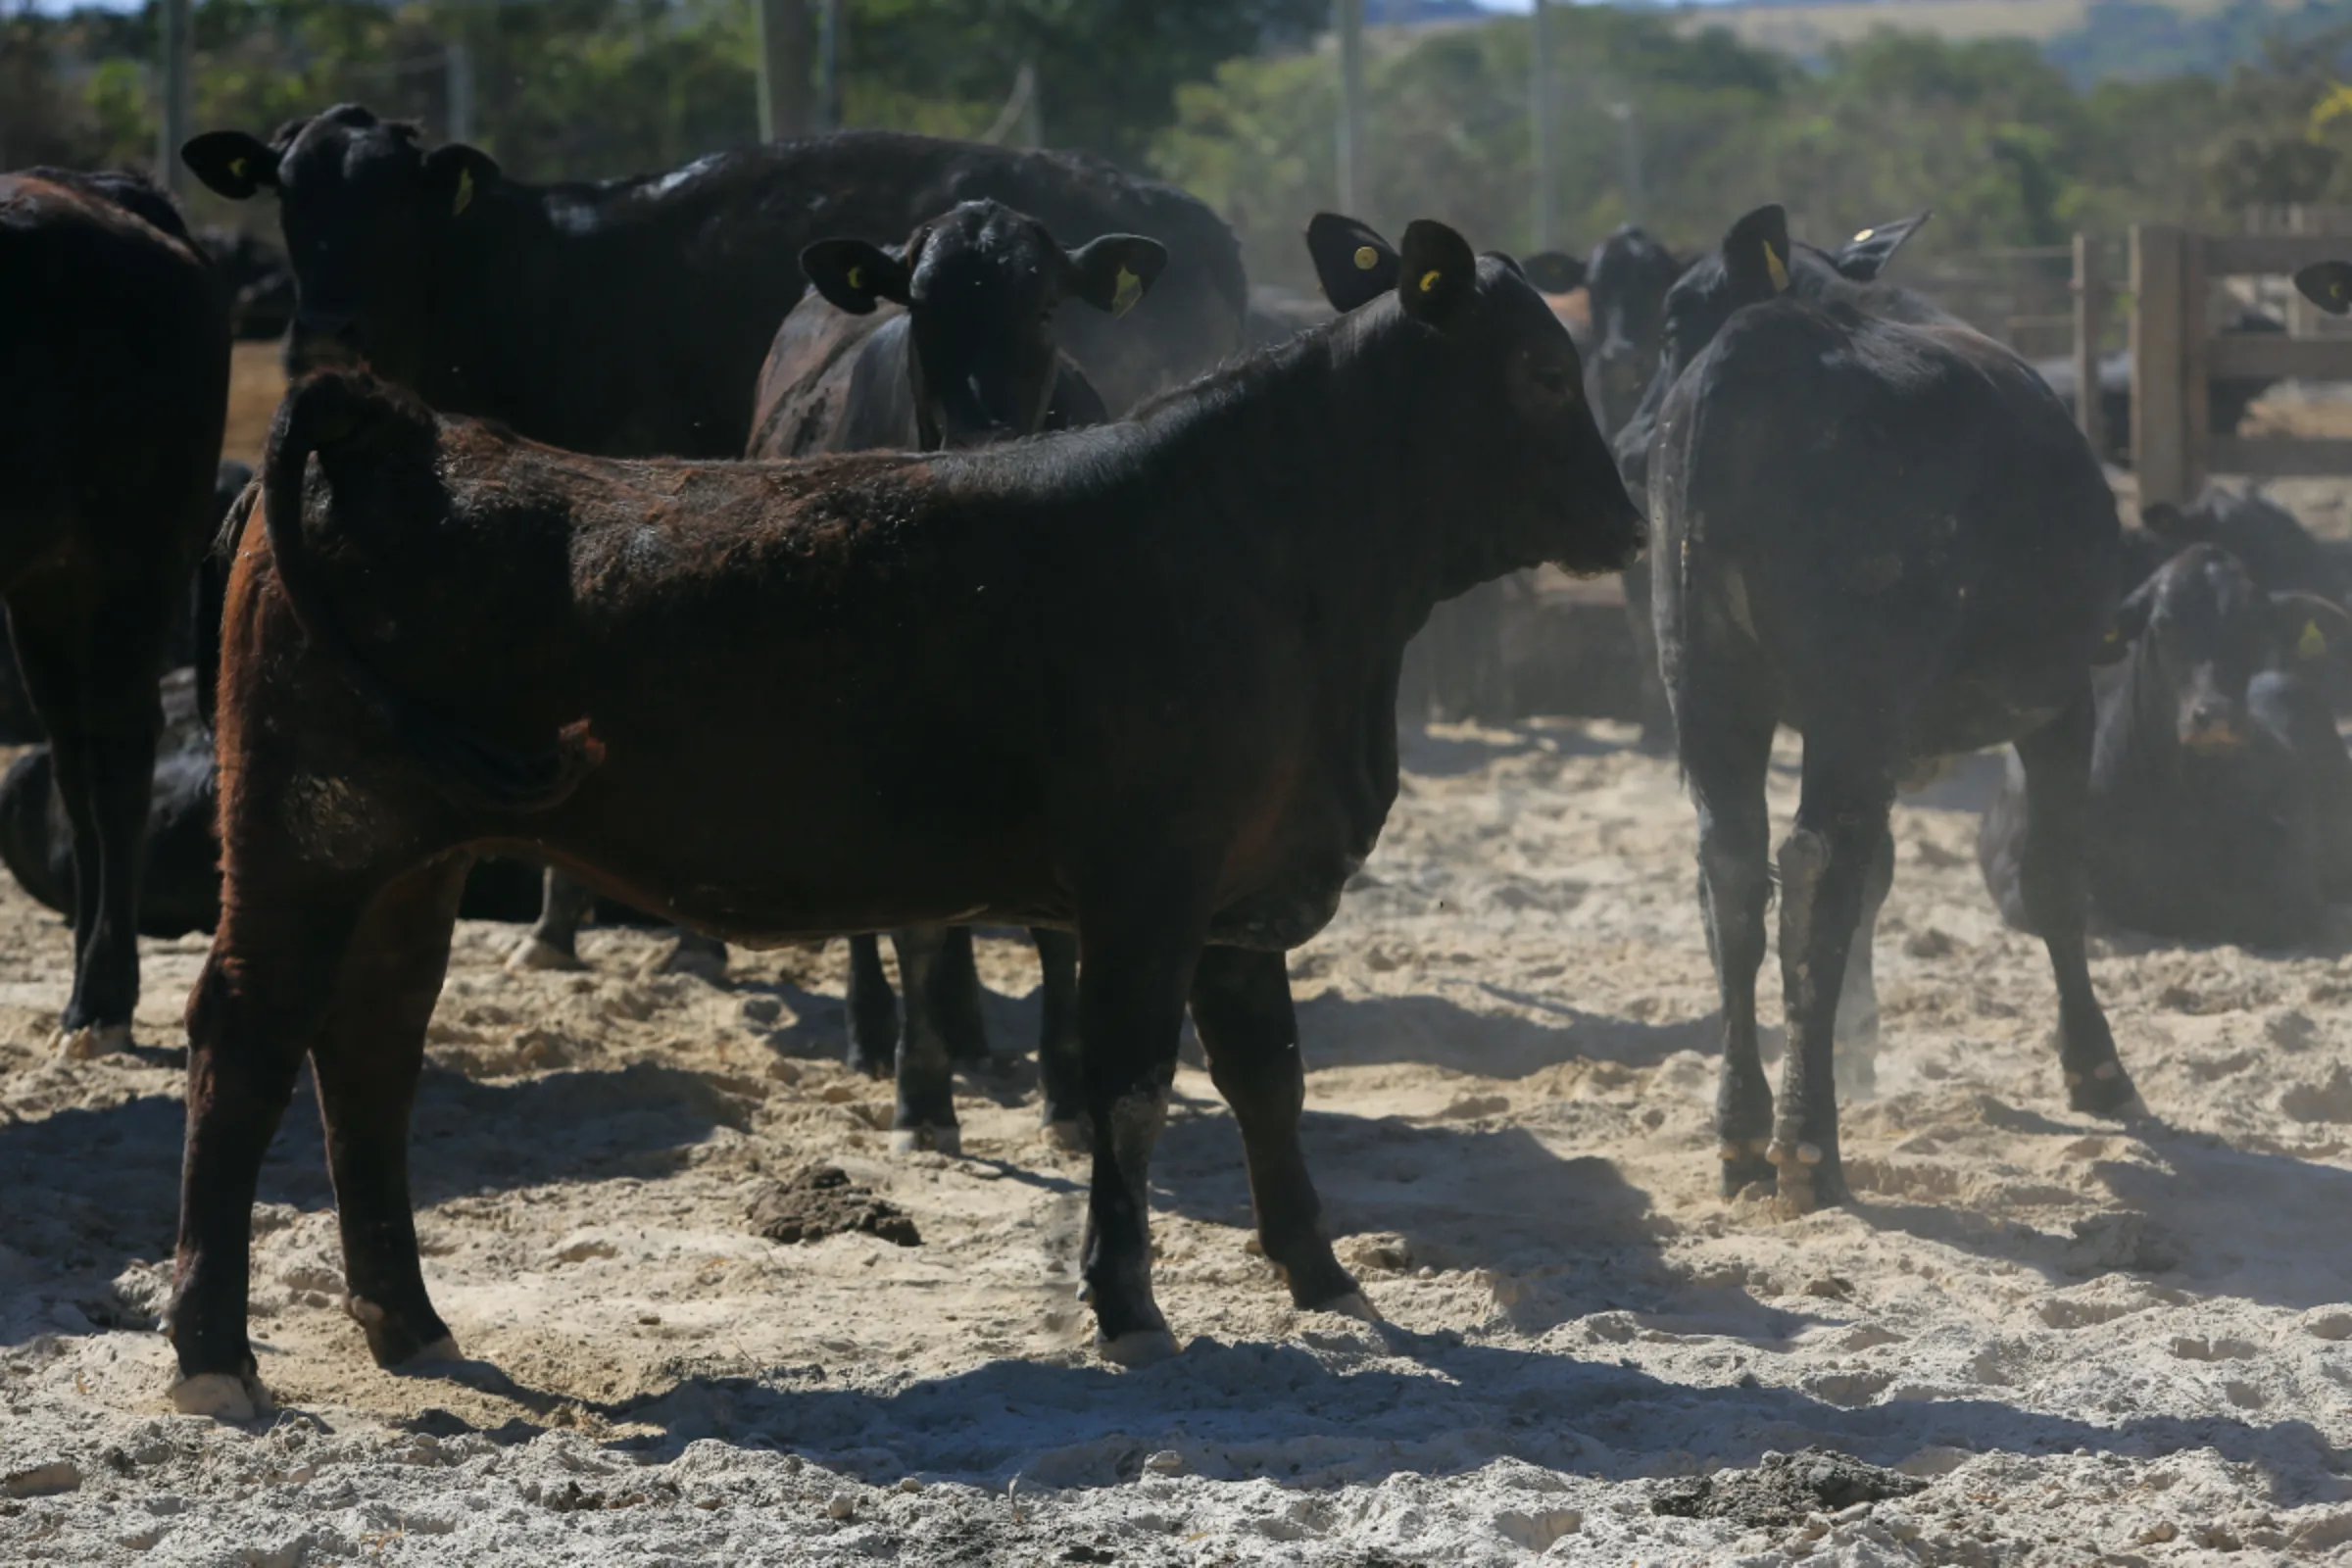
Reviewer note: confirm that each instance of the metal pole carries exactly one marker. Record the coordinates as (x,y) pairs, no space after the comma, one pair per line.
(829,19)
(783,68)
(457,59)
(1538,89)
(1347,19)
(180,112)
(1628,121)
(2090,328)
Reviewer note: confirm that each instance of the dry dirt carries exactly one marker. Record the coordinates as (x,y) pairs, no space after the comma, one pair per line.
(2089,1340)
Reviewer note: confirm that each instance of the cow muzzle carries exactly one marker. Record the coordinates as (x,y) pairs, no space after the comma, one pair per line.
(2211,726)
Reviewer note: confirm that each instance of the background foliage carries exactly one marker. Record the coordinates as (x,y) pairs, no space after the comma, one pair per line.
(1657,117)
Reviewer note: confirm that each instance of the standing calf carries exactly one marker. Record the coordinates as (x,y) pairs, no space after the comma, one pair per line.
(1879,529)
(113,386)
(1136,681)
(947,345)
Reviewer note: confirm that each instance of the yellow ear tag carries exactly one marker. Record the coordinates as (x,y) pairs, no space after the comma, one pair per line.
(1780,273)
(2335,290)
(1429,281)
(465,192)
(857,278)
(1130,289)
(2311,645)
(1366,259)
(237,171)
(1865,234)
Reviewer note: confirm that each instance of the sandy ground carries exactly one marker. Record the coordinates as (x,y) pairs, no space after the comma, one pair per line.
(2089,1340)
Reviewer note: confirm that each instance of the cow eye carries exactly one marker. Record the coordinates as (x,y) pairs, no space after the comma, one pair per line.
(1552,378)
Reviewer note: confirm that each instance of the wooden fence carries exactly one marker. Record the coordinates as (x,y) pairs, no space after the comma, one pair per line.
(2175,359)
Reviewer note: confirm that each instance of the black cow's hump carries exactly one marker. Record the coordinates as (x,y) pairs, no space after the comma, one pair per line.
(134,193)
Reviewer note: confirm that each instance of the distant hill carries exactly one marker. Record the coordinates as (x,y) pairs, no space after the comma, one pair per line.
(2092,40)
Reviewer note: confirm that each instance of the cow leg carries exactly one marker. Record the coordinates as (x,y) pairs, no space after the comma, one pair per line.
(255,1011)
(1725,762)
(92,676)
(2056,759)
(1858,996)
(1135,970)
(1241,1007)
(873,1009)
(956,991)
(367,1061)
(1657,716)
(925,1117)
(552,943)
(1060,1069)
(693,952)
(1824,867)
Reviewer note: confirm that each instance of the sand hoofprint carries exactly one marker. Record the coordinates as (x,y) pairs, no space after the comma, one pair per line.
(2083,1336)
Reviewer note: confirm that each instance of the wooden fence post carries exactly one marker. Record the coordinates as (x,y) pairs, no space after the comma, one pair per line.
(1347,20)
(2090,327)
(2159,329)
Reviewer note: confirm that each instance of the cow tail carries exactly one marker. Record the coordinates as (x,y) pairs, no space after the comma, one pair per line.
(354,419)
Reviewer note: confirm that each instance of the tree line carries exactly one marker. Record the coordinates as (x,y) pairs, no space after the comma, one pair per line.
(1658,116)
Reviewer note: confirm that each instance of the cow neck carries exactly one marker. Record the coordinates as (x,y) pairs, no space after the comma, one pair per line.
(2151,746)
(1304,455)
(517,282)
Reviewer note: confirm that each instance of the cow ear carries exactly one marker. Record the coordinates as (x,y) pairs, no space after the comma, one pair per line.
(1352,262)
(2328,286)
(1436,271)
(459,174)
(1117,270)
(1755,253)
(1555,272)
(2310,627)
(853,275)
(1864,256)
(231,162)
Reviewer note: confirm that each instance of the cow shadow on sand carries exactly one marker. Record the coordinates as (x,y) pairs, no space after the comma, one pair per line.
(2203,1216)
(91,1191)
(1346,1405)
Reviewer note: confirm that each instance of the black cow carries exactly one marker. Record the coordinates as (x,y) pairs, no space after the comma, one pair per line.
(629,318)
(1627,278)
(2277,551)
(1136,681)
(1878,527)
(113,388)
(946,344)
(2226,402)
(2220,794)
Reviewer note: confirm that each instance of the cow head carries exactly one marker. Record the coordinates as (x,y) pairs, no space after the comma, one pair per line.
(1498,396)
(980,285)
(1627,279)
(2328,284)
(1754,264)
(365,209)
(2199,630)
(2277,551)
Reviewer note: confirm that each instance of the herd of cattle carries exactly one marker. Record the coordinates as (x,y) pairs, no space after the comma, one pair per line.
(698,540)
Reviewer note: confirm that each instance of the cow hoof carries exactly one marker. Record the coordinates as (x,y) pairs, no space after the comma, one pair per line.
(1353,1304)
(1746,1166)
(1137,1347)
(536,953)
(440,1352)
(918,1140)
(90,1042)
(223,1395)
(699,956)
(2105,1091)
(1068,1136)
(1808,1182)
